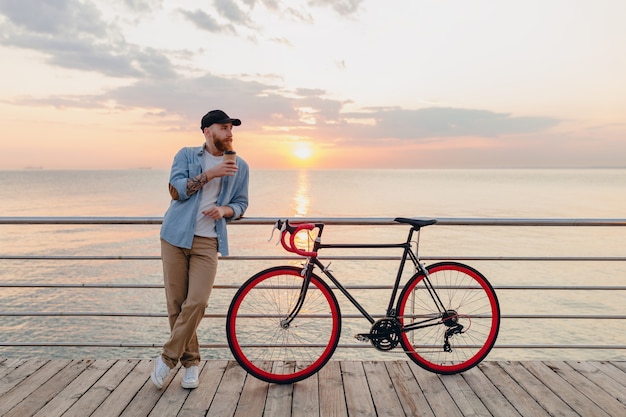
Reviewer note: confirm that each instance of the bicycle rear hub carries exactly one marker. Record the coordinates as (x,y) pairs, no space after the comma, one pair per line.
(450,318)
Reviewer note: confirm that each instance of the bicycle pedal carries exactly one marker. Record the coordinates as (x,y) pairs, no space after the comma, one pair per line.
(362,337)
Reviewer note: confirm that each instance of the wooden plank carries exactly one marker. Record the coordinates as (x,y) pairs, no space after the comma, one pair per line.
(27,386)
(37,387)
(46,392)
(228,393)
(332,398)
(601,378)
(435,392)
(521,400)
(253,397)
(613,370)
(465,398)
(491,397)
(279,400)
(306,400)
(409,392)
(199,400)
(384,396)
(9,365)
(146,394)
(358,398)
(619,364)
(19,371)
(172,398)
(280,397)
(561,387)
(593,392)
(135,394)
(122,394)
(75,389)
(99,391)
(545,397)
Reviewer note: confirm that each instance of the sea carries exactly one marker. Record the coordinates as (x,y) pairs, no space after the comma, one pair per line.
(444,194)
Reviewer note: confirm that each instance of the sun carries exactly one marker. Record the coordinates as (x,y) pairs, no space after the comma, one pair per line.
(303,150)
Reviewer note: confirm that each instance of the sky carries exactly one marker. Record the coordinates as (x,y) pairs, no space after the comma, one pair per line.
(320,84)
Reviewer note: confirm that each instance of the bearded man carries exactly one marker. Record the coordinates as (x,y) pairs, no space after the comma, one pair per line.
(207,192)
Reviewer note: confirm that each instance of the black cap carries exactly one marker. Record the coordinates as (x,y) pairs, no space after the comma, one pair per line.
(219,117)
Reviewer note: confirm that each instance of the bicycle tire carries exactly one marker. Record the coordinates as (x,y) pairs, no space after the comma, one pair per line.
(267,349)
(463,290)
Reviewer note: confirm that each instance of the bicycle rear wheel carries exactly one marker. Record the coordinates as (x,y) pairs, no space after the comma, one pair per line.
(264,344)
(469,325)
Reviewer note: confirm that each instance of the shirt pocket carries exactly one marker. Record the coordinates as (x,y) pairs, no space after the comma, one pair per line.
(195,170)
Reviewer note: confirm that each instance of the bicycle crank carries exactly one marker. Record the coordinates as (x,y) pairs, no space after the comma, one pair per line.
(384,334)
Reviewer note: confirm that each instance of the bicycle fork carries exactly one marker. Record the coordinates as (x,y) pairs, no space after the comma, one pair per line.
(306,274)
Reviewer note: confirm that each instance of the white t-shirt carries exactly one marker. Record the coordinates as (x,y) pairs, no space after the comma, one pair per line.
(205,225)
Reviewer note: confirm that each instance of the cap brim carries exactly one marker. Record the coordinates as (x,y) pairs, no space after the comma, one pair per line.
(234,122)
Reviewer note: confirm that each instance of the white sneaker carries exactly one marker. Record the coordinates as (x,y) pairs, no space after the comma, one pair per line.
(190,380)
(160,372)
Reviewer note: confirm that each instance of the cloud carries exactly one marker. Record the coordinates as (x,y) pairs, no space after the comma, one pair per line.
(205,21)
(304,112)
(238,16)
(142,6)
(268,107)
(54,17)
(342,7)
(232,12)
(446,122)
(74,35)
(187,98)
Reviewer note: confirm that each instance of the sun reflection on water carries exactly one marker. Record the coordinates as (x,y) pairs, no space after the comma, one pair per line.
(302,202)
(301,198)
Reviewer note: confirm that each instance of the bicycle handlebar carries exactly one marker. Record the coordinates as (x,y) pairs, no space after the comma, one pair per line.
(293,230)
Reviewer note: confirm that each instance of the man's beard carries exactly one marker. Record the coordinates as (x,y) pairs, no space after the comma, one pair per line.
(222,145)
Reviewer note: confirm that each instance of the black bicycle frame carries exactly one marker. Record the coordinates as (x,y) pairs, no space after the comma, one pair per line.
(391,311)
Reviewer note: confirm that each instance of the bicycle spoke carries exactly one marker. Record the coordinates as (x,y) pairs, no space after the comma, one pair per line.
(465,334)
(259,335)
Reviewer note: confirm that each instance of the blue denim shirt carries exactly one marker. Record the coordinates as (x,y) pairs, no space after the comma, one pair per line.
(179,222)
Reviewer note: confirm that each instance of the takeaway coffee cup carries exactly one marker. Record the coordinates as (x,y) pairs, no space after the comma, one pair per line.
(229,156)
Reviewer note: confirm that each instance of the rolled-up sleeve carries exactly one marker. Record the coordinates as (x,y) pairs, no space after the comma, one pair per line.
(183,168)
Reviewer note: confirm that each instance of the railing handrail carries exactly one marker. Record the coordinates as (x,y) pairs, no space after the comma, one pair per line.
(330,258)
(541,222)
(345,221)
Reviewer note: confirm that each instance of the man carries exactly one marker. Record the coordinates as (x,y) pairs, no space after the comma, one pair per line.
(206,192)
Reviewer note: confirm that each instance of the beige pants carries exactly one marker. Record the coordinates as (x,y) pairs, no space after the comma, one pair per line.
(188,275)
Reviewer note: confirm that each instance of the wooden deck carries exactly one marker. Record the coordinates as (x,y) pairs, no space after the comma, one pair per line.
(39,387)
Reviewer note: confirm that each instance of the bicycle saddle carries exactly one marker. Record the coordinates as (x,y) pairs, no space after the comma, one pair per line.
(416,223)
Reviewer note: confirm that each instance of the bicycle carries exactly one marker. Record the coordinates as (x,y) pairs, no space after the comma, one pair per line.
(284,323)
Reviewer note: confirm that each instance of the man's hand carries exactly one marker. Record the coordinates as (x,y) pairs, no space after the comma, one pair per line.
(226,168)
(217,212)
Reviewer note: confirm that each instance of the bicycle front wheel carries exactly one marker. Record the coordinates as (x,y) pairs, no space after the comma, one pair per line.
(272,348)
(455,334)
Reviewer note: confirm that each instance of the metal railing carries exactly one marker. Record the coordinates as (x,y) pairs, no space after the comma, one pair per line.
(552,316)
